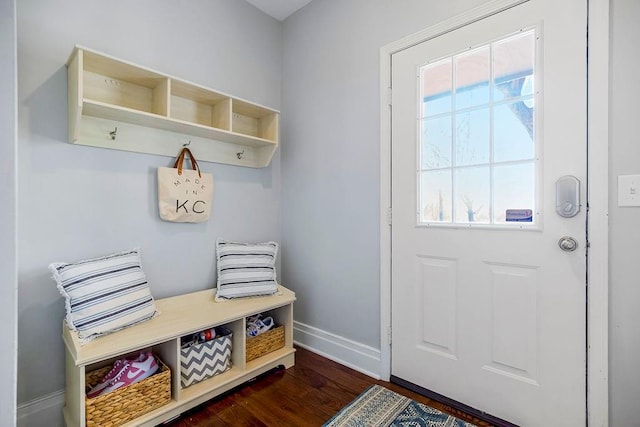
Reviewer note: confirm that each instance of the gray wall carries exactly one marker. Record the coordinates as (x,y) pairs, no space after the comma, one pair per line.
(624,223)
(8,194)
(78,202)
(331,155)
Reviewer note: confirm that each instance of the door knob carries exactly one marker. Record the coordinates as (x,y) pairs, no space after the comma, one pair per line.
(568,244)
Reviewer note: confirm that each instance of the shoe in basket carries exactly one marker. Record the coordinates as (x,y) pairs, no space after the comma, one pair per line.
(127,372)
(118,366)
(259,326)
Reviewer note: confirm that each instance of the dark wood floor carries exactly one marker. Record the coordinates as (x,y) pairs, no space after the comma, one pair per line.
(308,394)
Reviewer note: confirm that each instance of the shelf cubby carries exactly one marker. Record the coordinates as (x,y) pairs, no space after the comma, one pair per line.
(255,121)
(123,85)
(197,105)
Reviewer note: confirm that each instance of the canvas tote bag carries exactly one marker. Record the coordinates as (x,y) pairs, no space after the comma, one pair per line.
(184,195)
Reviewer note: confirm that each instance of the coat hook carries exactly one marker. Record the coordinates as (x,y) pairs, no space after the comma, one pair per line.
(113,133)
(240,154)
(187,144)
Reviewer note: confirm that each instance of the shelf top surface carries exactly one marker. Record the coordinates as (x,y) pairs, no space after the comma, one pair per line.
(179,315)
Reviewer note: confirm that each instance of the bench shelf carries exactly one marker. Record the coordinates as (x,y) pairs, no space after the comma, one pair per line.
(180,316)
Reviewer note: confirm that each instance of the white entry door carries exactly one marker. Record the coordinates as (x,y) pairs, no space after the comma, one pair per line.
(488,300)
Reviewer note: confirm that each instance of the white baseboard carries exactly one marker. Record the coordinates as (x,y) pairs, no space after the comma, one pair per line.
(47,410)
(352,354)
(43,411)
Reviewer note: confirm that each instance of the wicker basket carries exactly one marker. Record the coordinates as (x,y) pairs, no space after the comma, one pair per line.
(265,343)
(124,404)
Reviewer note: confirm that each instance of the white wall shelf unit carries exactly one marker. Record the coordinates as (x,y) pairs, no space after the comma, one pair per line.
(157,114)
(179,316)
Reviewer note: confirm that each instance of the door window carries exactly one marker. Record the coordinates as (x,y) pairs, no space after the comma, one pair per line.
(477,136)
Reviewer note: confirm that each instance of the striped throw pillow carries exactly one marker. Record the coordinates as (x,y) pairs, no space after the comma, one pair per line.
(103,295)
(246,269)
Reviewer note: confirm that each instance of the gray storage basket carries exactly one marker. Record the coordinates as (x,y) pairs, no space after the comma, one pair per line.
(201,361)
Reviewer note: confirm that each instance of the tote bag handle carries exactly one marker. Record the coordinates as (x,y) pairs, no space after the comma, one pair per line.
(180,161)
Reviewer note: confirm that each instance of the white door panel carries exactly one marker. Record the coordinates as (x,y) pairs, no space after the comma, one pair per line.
(493,316)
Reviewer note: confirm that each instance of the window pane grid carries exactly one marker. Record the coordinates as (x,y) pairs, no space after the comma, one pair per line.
(477,145)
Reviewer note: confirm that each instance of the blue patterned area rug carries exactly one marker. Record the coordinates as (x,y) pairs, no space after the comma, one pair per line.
(378,406)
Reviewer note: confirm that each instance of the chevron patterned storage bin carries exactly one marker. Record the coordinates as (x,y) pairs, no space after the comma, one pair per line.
(201,361)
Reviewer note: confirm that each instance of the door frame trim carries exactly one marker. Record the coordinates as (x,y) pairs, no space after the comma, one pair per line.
(598,193)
